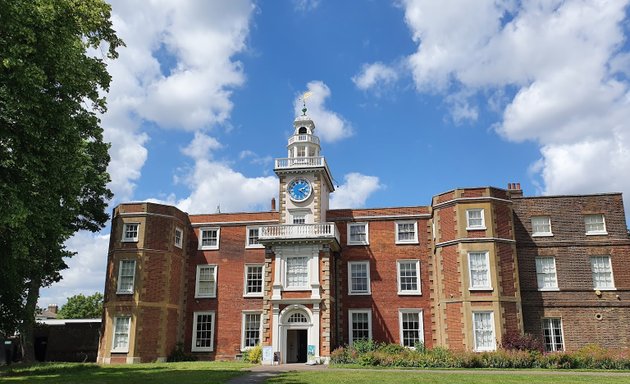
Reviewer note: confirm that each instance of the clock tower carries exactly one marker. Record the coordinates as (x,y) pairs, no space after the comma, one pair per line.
(305,180)
(301,252)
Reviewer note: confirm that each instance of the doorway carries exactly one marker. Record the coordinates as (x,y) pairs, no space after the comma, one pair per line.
(297,345)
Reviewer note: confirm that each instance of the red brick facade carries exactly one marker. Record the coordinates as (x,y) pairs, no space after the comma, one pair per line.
(163,300)
(473,266)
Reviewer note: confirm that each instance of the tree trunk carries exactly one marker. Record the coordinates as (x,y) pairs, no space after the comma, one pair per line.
(28,322)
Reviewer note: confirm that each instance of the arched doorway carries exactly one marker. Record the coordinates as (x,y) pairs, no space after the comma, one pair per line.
(296,326)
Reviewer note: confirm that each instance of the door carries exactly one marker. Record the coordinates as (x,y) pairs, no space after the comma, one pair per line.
(297,345)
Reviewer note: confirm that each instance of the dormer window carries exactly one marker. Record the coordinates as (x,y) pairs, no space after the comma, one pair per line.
(302,131)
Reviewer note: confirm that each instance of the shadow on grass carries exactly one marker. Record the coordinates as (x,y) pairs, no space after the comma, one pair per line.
(189,373)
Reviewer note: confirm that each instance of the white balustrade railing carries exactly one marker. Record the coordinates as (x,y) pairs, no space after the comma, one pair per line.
(299,231)
(304,138)
(301,162)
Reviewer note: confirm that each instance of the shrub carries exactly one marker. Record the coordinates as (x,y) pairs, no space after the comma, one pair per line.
(526,342)
(178,354)
(391,348)
(364,346)
(253,355)
(394,355)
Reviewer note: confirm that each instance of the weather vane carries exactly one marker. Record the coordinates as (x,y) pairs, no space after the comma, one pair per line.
(305,96)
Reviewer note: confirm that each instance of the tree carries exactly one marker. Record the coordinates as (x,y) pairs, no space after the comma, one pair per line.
(82,307)
(53,161)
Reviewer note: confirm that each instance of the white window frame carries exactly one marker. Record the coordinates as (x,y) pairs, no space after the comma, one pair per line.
(213,322)
(420,330)
(612,277)
(541,233)
(213,294)
(298,218)
(179,243)
(115,334)
(415,232)
(368,290)
(119,290)
(134,239)
(554,347)
(399,277)
(598,231)
(488,272)
(351,323)
(367,234)
(475,227)
(206,247)
(477,348)
(246,280)
(306,285)
(248,237)
(540,274)
(244,328)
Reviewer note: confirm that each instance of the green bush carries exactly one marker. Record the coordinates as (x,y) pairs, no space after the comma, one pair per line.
(253,355)
(178,354)
(367,353)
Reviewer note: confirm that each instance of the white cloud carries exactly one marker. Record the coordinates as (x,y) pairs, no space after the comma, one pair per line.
(86,271)
(215,184)
(195,42)
(566,65)
(355,191)
(375,75)
(330,126)
(305,5)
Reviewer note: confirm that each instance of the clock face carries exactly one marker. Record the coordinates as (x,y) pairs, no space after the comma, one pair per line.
(299,189)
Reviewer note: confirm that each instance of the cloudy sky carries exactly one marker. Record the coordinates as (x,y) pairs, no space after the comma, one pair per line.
(410,98)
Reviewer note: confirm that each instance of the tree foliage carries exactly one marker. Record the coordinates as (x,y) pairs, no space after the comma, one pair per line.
(82,307)
(53,161)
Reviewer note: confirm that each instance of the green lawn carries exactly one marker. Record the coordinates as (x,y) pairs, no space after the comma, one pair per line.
(165,373)
(220,372)
(419,376)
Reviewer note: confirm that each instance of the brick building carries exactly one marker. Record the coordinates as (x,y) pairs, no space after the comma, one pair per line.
(462,272)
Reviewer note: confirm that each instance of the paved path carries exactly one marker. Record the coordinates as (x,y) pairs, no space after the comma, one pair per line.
(260,373)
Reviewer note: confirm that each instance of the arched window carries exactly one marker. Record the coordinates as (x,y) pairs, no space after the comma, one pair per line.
(297,318)
(302,131)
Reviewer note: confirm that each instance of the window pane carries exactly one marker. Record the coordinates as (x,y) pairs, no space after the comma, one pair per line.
(479,272)
(297,272)
(594,223)
(203,331)
(552,335)
(410,328)
(121,333)
(252,330)
(406,232)
(475,218)
(541,224)
(602,272)
(484,331)
(126,275)
(357,233)
(359,277)
(546,272)
(408,276)
(209,237)
(254,279)
(360,325)
(253,236)
(205,282)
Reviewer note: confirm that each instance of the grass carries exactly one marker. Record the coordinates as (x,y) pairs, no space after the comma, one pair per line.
(445,377)
(221,372)
(155,373)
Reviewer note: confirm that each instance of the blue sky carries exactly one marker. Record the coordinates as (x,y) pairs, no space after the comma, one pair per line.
(410,99)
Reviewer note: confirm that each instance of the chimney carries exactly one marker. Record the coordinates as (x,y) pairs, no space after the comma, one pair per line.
(514,190)
(53,308)
(273,204)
